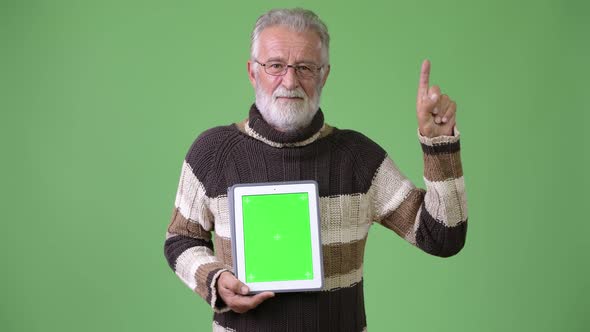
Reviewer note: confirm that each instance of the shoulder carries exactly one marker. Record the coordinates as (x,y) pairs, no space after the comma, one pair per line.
(365,156)
(205,146)
(211,139)
(355,142)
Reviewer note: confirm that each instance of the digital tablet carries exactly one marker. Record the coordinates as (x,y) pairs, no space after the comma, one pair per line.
(276,236)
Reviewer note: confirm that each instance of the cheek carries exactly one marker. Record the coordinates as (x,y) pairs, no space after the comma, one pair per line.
(311,89)
(269,84)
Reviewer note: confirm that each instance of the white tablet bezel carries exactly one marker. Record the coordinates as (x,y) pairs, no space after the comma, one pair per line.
(235,194)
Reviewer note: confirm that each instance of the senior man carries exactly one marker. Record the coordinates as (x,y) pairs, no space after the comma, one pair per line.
(285,138)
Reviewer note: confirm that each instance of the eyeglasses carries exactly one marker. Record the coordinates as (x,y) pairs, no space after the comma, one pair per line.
(303,70)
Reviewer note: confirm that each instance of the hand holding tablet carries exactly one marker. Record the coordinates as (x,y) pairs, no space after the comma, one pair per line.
(235,294)
(276,236)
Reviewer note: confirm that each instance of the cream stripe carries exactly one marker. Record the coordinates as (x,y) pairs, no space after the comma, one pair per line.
(343,280)
(219,208)
(189,261)
(390,187)
(439,140)
(446,200)
(344,218)
(256,135)
(219,328)
(190,198)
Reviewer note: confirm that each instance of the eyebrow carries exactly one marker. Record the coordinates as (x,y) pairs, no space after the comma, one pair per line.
(298,62)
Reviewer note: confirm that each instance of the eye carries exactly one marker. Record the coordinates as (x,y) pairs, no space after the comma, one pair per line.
(275,65)
(304,68)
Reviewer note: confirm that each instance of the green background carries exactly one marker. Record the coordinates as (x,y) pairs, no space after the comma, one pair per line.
(271,258)
(101,100)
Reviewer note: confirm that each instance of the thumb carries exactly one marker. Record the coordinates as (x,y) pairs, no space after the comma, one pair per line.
(239,287)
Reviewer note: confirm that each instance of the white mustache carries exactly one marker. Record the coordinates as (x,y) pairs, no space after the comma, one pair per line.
(282,92)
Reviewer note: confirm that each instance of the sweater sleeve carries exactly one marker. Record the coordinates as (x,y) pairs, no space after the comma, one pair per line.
(188,247)
(435,219)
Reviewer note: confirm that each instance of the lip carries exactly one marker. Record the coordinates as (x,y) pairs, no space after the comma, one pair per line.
(290,98)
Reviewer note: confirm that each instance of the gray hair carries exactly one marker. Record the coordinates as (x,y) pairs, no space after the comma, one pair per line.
(296,19)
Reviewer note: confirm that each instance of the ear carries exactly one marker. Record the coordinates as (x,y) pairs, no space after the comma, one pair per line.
(251,67)
(325,78)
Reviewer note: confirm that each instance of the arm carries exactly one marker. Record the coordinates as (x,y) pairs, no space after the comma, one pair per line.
(435,220)
(188,247)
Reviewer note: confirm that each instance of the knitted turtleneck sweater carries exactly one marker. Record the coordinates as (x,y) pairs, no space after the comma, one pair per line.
(358,185)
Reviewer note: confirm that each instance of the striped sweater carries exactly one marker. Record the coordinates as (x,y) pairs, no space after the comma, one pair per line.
(358,185)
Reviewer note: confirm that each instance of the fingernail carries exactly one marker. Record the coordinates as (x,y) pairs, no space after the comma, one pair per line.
(435,110)
(244,290)
(433,96)
(437,119)
(444,120)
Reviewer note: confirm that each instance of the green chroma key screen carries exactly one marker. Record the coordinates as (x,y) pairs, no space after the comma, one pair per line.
(277,237)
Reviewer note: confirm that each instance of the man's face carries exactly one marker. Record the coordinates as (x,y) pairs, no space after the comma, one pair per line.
(287,102)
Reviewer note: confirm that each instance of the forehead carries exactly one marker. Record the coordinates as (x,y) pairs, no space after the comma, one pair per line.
(281,42)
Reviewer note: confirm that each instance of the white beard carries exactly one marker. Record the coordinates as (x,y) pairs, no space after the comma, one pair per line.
(287,115)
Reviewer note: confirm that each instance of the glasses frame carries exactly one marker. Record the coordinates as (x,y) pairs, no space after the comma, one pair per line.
(287,66)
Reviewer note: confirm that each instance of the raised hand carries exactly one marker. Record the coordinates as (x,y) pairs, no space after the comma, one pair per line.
(235,293)
(435,111)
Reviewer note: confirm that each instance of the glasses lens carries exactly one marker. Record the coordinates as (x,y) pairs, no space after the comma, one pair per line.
(275,68)
(306,70)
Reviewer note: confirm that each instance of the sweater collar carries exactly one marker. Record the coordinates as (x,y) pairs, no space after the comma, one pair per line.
(258,128)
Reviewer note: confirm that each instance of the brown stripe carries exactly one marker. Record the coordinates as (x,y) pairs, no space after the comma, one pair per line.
(223,250)
(441,148)
(204,277)
(181,226)
(338,258)
(340,310)
(441,167)
(232,154)
(437,239)
(342,258)
(177,245)
(402,219)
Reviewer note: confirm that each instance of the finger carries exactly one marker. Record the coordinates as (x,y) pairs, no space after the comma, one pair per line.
(444,116)
(450,113)
(244,303)
(424,79)
(446,113)
(441,108)
(441,105)
(432,98)
(259,298)
(434,93)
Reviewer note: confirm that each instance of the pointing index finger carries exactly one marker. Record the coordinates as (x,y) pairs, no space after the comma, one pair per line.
(424,79)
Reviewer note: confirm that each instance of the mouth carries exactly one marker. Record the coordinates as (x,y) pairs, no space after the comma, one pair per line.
(289,98)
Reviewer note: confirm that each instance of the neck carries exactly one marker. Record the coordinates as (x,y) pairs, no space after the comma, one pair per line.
(284,136)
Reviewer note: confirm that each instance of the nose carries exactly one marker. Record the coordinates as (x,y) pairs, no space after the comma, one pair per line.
(290,80)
